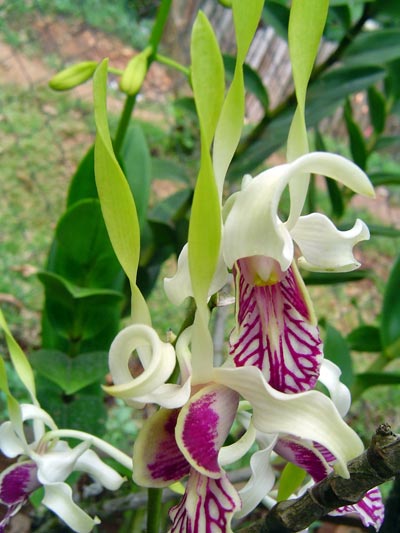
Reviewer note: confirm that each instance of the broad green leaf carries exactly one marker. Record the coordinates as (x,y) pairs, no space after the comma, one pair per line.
(136,162)
(276,15)
(230,124)
(116,199)
(71,374)
(117,203)
(207,75)
(336,349)
(163,169)
(291,479)
(358,146)
(384,178)
(18,358)
(83,184)
(365,339)
(171,209)
(85,410)
(373,48)
(78,313)
(373,379)
(377,109)
(252,81)
(390,322)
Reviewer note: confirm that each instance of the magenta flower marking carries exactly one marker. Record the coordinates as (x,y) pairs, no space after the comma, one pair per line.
(207,422)
(17,482)
(304,457)
(169,464)
(370,509)
(207,506)
(274,333)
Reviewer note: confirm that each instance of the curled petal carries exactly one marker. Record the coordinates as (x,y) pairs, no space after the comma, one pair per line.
(179,286)
(157,460)
(261,481)
(308,415)
(340,394)
(91,463)
(10,443)
(207,506)
(276,331)
(324,247)
(56,465)
(156,357)
(58,498)
(234,452)
(203,425)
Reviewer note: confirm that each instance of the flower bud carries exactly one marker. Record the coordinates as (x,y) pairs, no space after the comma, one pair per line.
(134,73)
(73,76)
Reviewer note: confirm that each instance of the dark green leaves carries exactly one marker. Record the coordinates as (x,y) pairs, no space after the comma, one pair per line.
(390,326)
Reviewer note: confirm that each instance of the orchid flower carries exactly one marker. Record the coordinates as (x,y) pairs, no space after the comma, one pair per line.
(46,461)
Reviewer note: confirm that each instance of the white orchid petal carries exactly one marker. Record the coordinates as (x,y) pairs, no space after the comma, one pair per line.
(34,412)
(157,358)
(260,483)
(58,498)
(324,247)
(169,395)
(91,463)
(10,443)
(252,226)
(340,394)
(308,415)
(56,465)
(334,166)
(179,286)
(229,454)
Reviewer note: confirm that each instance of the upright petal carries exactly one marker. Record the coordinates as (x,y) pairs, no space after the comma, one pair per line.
(203,425)
(157,460)
(206,507)
(276,331)
(324,247)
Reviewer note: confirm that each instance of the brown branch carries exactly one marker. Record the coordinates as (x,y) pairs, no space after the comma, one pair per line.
(379,463)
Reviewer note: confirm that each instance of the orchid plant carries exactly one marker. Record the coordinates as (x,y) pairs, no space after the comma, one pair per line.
(268,383)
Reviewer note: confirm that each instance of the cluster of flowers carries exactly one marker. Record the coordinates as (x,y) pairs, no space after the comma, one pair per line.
(265,384)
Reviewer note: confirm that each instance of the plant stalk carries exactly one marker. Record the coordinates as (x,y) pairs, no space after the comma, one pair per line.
(154,510)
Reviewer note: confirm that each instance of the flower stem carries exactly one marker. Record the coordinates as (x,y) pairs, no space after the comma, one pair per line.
(154,510)
(124,122)
(171,63)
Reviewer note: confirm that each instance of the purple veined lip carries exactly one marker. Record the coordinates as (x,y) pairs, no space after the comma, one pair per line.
(275,332)
(17,482)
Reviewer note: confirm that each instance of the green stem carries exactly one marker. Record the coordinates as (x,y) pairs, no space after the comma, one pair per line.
(124,122)
(154,510)
(158,28)
(171,63)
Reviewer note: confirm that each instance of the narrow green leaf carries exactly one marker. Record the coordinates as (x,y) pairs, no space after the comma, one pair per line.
(384,231)
(116,199)
(246,16)
(163,169)
(330,278)
(386,141)
(277,15)
(373,379)
(18,358)
(374,48)
(377,109)
(390,323)
(14,410)
(337,350)
(358,147)
(384,178)
(365,339)
(291,479)
(71,374)
(207,74)
(252,81)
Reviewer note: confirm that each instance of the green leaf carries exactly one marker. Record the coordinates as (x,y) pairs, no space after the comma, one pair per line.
(291,479)
(384,178)
(335,197)
(373,48)
(336,349)
(171,209)
(164,169)
(365,339)
(384,231)
(78,313)
(277,15)
(71,374)
(358,147)
(390,323)
(207,74)
(136,162)
(377,109)
(330,278)
(373,379)
(83,184)
(252,81)
(85,410)
(386,141)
